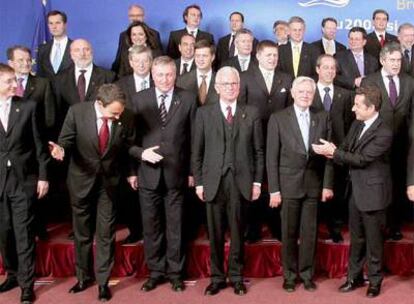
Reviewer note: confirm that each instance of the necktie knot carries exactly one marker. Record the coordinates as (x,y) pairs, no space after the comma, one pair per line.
(390,77)
(203,77)
(407,52)
(20,80)
(326,89)
(82,72)
(163,97)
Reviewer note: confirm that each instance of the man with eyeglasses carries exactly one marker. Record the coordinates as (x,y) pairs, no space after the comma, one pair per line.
(228,165)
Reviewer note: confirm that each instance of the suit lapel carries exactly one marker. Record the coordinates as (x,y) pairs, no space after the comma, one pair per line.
(175,104)
(92,87)
(90,125)
(317,101)
(304,53)
(289,58)
(313,121)
(258,76)
(30,86)
(276,83)
(66,57)
(403,86)
(352,62)
(47,53)
(368,134)
(238,116)
(14,114)
(296,129)
(115,129)
(218,120)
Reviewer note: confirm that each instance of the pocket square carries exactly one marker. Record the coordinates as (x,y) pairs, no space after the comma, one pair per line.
(283,90)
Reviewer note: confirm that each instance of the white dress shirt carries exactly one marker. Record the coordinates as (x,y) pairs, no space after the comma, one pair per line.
(138,82)
(368,123)
(99,121)
(167,100)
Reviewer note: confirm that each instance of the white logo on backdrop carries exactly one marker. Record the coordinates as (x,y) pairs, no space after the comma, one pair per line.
(332,3)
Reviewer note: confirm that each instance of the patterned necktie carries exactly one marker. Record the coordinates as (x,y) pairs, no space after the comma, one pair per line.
(392,91)
(4,115)
(202,90)
(382,40)
(360,64)
(329,47)
(103,136)
(143,85)
(57,57)
(304,128)
(232,47)
(229,116)
(268,80)
(163,109)
(185,68)
(243,62)
(20,89)
(296,59)
(407,55)
(82,85)
(327,100)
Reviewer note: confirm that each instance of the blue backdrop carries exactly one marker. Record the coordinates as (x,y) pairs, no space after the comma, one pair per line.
(101,21)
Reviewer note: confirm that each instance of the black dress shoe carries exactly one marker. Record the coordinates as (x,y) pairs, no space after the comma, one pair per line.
(104,293)
(177,285)
(80,286)
(337,237)
(351,285)
(131,239)
(152,283)
(214,288)
(309,285)
(373,291)
(289,286)
(9,284)
(395,235)
(27,296)
(239,288)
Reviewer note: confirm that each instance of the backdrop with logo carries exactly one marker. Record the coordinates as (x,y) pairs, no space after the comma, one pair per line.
(101,21)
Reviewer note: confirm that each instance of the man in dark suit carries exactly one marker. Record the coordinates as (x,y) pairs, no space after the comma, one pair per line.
(140,60)
(53,57)
(379,37)
(80,82)
(135,13)
(228,140)
(266,88)
(328,44)
(96,136)
(355,63)
(365,152)
(185,63)
(23,177)
(337,102)
(192,17)
(397,95)
(37,89)
(165,117)
(281,32)
(406,39)
(201,80)
(298,179)
(245,58)
(297,58)
(226,46)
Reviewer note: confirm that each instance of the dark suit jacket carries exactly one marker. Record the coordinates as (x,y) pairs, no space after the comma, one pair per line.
(188,81)
(44,66)
(397,118)
(318,46)
(79,138)
(222,51)
(178,66)
(253,91)
(373,46)
(123,44)
(290,169)
(23,146)
(174,138)
(127,84)
(407,66)
(348,68)
(307,61)
(369,167)
(67,91)
(39,89)
(175,37)
(209,149)
(234,62)
(340,115)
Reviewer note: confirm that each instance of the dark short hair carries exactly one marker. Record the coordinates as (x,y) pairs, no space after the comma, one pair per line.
(109,93)
(264,44)
(150,38)
(372,96)
(10,51)
(186,35)
(203,43)
(55,13)
(380,11)
(324,20)
(4,68)
(358,29)
(185,13)
(390,48)
(280,22)
(237,13)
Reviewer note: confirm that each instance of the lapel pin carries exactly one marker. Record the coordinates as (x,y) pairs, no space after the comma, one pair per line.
(119,123)
(17,110)
(313,123)
(243,115)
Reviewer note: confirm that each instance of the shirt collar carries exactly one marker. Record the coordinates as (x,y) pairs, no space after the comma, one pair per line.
(298,111)
(158,93)
(240,56)
(321,87)
(208,74)
(385,74)
(88,68)
(264,71)
(7,101)
(97,110)
(140,79)
(62,41)
(370,121)
(224,106)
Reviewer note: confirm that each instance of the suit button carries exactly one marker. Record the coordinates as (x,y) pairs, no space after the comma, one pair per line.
(162,128)
(269,101)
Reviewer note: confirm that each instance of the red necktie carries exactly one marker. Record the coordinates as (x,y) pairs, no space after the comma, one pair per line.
(82,85)
(103,136)
(382,40)
(20,89)
(229,117)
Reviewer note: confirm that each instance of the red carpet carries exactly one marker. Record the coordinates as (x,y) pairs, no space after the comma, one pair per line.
(55,258)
